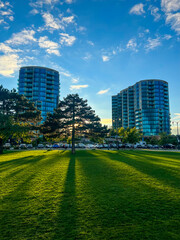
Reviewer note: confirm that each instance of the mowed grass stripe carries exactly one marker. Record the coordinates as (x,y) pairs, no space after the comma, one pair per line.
(92,195)
(29,210)
(127,202)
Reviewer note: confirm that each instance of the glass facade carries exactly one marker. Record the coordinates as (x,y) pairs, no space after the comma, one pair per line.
(145,106)
(40,85)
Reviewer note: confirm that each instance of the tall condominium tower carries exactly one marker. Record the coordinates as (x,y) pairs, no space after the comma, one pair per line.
(40,85)
(145,106)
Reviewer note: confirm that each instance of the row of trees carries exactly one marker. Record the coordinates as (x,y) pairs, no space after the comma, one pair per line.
(163,139)
(132,135)
(20,119)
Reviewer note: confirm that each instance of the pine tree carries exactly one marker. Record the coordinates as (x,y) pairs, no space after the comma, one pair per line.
(74,117)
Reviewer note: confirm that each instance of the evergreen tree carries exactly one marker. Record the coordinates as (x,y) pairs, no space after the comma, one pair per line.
(16,105)
(74,117)
(19,113)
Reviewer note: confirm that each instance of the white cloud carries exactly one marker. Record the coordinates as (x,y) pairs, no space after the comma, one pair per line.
(90,43)
(68,20)
(66,39)
(137,9)
(87,57)
(174,20)
(167,36)
(1,4)
(172,12)
(50,46)
(69,1)
(51,22)
(176,117)
(6,13)
(103,91)
(81,29)
(107,122)
(170,5)
(40,3)
(23,37)
(9,64)
(155,12)
(152,43)
(105,58)
(34,11)
(6,49)
(66,74)
(132,45)
(77,87)
(75,80)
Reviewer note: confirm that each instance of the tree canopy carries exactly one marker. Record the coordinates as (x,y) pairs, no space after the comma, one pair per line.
(17,115)
(73,117)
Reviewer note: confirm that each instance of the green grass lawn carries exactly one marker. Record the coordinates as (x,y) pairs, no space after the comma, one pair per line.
(92,195)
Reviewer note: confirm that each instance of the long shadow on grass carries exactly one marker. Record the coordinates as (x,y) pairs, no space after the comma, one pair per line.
(18,200)
(67,216)
(145,165)
(7,165)
(120,211)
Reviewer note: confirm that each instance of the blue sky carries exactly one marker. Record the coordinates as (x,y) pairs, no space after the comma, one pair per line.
(99,46)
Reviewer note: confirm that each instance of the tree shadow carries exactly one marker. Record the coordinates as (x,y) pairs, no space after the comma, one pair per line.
(119,202)
(7,165)
(144,164)
(67,216)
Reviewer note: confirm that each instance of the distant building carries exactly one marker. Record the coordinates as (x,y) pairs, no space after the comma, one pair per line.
(145,106)
(40,85)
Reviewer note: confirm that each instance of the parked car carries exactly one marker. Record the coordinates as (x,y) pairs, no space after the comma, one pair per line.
(169,146)
(40,145)
(128,145)
(29,146)
(61,145)
(137,145)
(100,146)
(90,146)
(7,146)
(113,145)
(155,147)
(49,145)
(149,146)
(81,145)
(22,146)
(105,146)
(55,145)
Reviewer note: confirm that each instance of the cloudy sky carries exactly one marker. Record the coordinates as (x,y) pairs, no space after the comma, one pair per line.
(99,46)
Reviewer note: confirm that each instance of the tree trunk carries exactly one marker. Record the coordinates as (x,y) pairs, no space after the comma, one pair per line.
(73,130)
(1,146)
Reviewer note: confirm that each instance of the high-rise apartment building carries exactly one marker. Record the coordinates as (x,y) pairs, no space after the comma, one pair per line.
(145,106)
(40,85)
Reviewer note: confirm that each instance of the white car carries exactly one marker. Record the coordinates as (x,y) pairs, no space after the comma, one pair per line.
(7,146)
(29,146)
(22,146)
(81,145)
(40,145)
(90,146)
(105,145)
